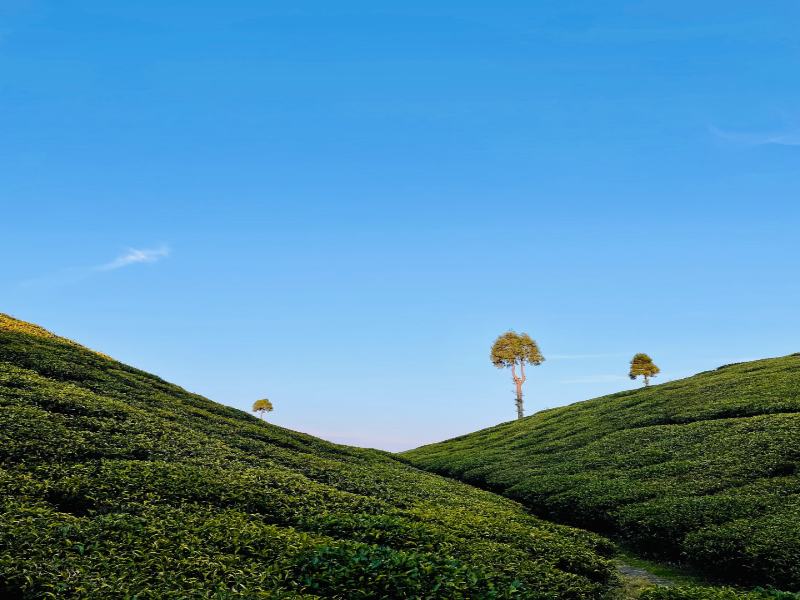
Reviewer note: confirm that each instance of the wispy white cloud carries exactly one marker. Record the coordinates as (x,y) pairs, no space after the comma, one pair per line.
(777,138)
(384,442)
(134,256)
(583,356)
(663,377)
(596,379)
(72,275)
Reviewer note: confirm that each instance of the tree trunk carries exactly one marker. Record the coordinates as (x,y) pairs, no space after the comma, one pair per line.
(518,381)
(646,381)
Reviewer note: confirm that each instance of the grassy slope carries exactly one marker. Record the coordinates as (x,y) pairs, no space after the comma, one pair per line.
(704,469)
(116,484)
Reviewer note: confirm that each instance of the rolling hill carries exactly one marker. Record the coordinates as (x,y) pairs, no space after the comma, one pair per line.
(117,484)
(705,469)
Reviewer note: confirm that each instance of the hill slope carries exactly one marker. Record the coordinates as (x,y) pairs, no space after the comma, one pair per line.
(116,484)
(704,469)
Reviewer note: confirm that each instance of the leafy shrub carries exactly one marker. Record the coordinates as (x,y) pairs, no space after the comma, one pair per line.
(116,484)
(708,593)
(705,469)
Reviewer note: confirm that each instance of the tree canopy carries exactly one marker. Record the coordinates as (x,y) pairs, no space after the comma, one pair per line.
(262,406)
(516,350)
(511,349)
(642,364)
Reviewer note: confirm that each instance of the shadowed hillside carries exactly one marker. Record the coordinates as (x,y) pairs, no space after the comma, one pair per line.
(703,469)
(116,484)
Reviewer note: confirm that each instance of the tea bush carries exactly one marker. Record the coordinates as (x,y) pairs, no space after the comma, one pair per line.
(117,484)
(704,469)
(708,593)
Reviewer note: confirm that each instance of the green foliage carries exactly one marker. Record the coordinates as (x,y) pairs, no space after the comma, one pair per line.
(512,349)
(116,484)
(516,350)
(262,406)
(709,593)
(704,470)
(642,364)
(9,323)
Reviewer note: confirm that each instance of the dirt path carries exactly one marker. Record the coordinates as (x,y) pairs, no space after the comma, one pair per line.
(642,574)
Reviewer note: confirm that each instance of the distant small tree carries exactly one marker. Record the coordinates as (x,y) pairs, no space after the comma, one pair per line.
(516,350)
(643,365)
(262,407)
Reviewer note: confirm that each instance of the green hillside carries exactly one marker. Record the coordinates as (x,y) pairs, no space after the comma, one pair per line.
(116,484)
(704,469)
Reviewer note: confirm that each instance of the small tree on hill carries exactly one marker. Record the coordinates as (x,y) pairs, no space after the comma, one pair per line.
(643,365)
(516,350)
(262,407)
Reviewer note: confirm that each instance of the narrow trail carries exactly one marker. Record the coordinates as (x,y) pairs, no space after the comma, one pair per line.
(632,572)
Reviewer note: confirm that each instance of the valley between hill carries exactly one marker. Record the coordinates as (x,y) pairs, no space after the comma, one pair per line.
(704,470)
(117,484)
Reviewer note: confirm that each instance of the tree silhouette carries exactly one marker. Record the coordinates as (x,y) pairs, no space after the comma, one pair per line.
(262,407)
(642,364)
(516,350)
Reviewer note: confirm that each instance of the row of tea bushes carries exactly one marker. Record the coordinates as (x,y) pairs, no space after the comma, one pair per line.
(711,593)
(706,469)
(116,484)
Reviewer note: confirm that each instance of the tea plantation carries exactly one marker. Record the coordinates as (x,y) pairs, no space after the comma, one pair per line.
(703,469)
(116,484)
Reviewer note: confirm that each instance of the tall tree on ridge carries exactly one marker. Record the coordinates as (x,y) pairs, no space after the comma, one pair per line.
(642,364)
(516,350)
(262,407)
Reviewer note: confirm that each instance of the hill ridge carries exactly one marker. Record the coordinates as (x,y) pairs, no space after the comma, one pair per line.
(115,483)
(620,394)
(9,323)
(704,468)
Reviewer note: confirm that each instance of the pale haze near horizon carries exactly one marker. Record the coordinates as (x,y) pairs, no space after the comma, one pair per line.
(339,207)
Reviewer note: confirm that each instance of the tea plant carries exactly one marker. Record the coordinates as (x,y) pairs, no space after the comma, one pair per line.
(117,484)
(703,470)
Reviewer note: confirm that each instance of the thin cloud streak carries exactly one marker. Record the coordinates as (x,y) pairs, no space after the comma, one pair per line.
(595,379)
(134,256)
(617,378)
(583,356)
(73,275)
(778,138)
(362,441)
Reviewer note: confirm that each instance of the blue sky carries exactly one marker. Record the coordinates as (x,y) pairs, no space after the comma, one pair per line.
(339,205)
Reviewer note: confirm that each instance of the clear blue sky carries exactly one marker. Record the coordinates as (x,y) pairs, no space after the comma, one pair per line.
(339,205)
